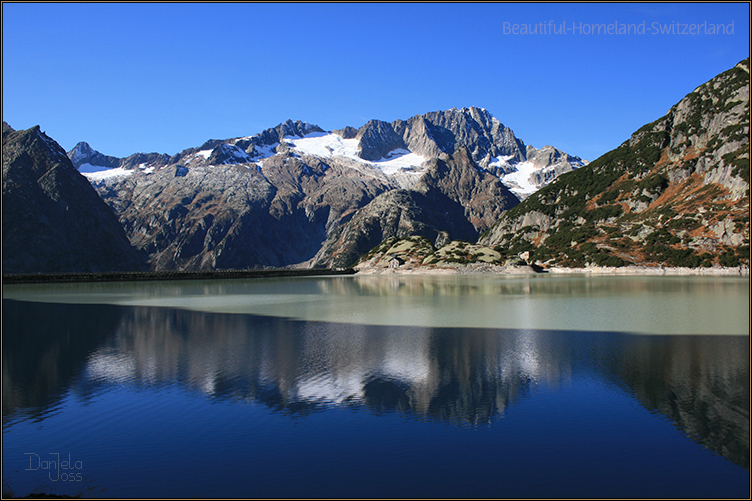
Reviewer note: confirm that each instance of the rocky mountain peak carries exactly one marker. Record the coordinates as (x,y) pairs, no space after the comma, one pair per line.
(377,139)
(81,153)
(479,114)
(485,137)
(257,143)
(346,132)
(287,128)
(33,144)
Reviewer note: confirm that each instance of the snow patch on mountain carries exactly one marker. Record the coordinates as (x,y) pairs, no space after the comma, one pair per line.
(400,161)
(519,181)
(526,177)
(101,175)
(330,145)
(324,145)
(500,163)
(100,172)
(264,152)
(239,154)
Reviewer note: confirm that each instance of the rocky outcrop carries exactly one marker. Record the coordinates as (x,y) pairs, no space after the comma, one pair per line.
(347,132)
(423,138)
(53,220)
(226,154)
(416,254)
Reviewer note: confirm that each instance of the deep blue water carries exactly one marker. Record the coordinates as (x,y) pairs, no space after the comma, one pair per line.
(166,402)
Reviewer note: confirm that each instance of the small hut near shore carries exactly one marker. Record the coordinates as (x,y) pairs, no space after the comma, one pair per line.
(395,262)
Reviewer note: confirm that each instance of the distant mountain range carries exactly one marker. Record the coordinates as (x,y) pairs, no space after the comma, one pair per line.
(676,193)
(283,197)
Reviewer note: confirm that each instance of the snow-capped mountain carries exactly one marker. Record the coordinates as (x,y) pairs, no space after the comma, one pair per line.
(399,150)
(276,198)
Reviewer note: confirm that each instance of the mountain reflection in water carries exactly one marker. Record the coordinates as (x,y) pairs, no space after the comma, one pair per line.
(466,376)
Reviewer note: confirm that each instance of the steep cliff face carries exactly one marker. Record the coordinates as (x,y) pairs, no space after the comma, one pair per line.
(676,193)
(53,220)
(192,218)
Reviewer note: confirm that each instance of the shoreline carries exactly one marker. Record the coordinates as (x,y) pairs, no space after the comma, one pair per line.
(467,269)
(738,271)
(138,276)
(484,269)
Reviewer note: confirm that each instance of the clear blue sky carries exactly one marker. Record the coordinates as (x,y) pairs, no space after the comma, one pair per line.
(143,77)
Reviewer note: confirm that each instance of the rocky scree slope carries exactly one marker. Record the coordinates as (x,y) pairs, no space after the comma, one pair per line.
(283,197)
(53,220)
(676,193)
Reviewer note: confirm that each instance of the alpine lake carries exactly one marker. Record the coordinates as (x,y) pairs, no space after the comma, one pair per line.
(407,386)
